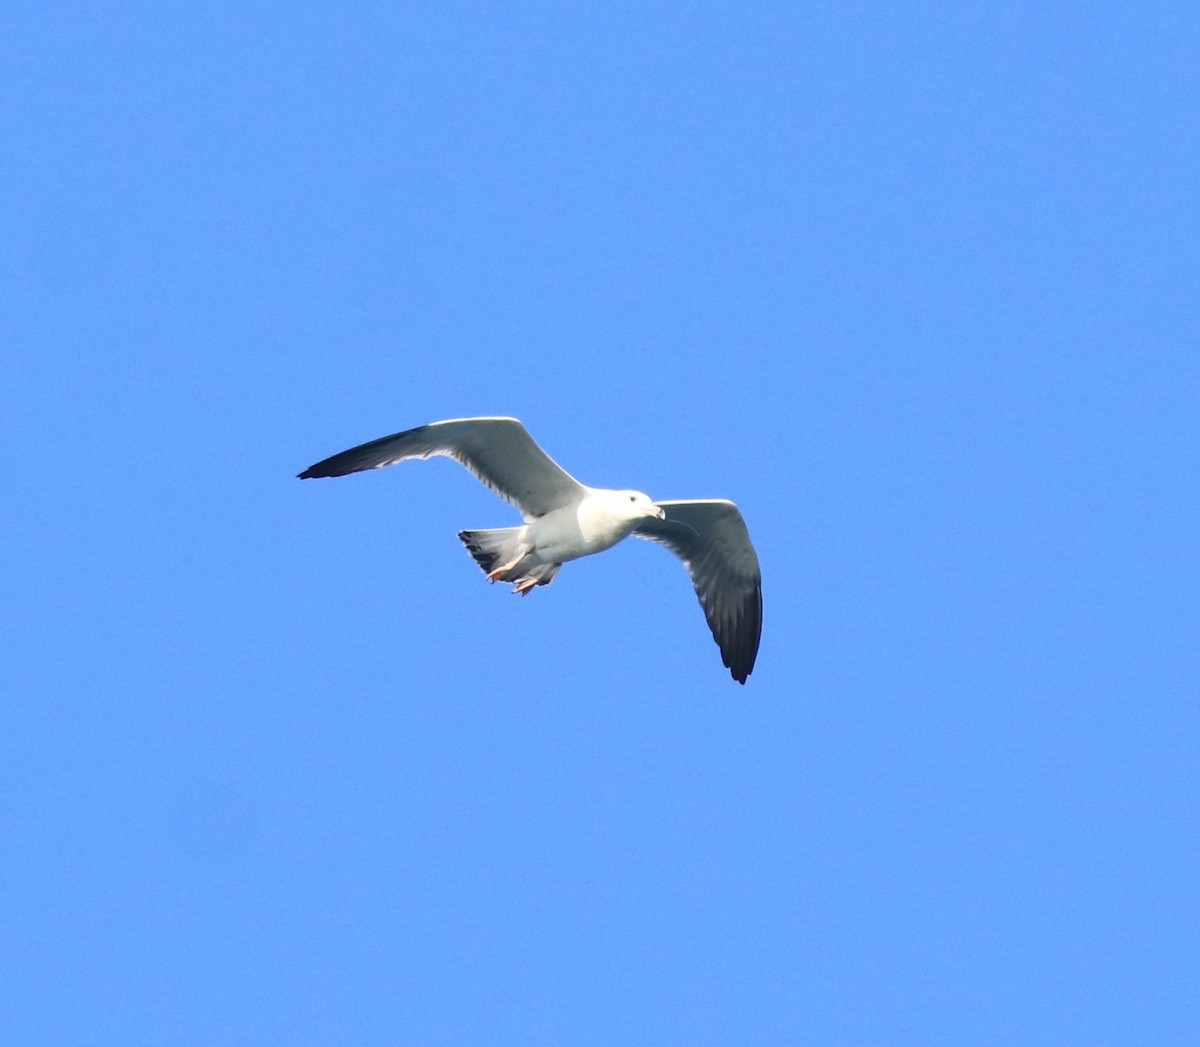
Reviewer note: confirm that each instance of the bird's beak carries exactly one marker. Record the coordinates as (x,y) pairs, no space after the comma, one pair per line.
(660,512)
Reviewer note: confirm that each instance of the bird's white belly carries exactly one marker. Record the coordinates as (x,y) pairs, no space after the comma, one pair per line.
(575,531)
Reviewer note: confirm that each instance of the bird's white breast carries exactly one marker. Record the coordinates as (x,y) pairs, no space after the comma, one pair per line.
(596,522)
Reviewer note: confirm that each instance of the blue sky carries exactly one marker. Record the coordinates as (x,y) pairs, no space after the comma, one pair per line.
(914,284)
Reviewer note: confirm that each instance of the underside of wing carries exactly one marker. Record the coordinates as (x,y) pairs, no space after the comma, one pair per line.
(711,539)
(497,451)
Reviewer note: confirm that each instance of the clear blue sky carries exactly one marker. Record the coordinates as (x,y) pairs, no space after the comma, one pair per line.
(917,285)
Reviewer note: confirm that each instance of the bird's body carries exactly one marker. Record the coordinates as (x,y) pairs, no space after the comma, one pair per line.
(531,555)
(597,521)
(566,520)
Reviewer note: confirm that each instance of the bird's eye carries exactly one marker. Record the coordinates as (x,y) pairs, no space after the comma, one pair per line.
(633,498)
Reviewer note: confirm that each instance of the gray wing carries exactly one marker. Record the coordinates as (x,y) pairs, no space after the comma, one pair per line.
(711,539)
(498,451)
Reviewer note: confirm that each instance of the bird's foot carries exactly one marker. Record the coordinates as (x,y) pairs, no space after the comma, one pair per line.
(496,574)
(524,586)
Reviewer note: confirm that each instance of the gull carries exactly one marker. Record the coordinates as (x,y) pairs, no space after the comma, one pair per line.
(566,520)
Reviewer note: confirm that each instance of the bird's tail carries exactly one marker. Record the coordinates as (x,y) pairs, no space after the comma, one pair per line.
(492,548)
(502,545)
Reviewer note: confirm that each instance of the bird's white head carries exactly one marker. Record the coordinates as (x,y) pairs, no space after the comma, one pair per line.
(636,505)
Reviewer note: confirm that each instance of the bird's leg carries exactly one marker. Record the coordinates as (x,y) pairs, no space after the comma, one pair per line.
(494,576)
(524,586)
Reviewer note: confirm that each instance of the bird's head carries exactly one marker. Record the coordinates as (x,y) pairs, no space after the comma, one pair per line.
(639,505)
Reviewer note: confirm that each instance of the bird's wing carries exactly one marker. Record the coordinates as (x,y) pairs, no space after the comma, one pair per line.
(498,451)
(711,539)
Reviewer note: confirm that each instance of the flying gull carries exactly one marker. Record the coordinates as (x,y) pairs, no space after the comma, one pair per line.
(565,520)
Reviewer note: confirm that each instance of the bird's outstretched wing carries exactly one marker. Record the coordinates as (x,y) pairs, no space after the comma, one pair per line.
(498,451)
(711,539)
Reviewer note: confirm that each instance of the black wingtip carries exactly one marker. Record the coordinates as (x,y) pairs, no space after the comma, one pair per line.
(315,472)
